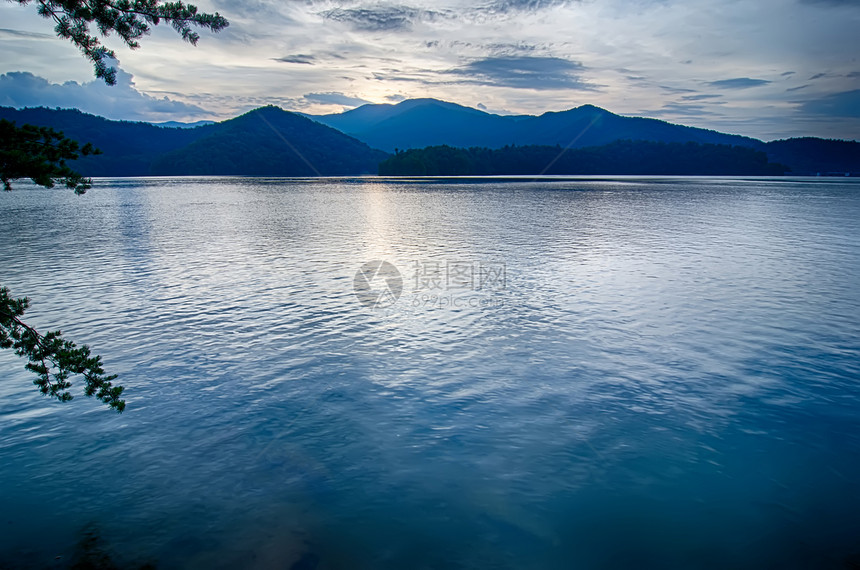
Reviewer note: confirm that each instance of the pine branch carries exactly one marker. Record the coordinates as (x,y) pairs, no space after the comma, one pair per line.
(130,20)
(40,154)
(54,359)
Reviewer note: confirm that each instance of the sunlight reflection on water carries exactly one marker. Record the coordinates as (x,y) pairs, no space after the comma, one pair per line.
(667,377)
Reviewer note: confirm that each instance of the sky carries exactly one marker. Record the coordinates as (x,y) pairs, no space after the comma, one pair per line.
(764,68)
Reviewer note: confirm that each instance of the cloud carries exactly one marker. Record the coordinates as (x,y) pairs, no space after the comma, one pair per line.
(298,58)
(738,83)
(381,17)
(252,10)
(334,98)
(23,34)
(121,102)
(525,72)
(505,6)
(676,90)
(700,97)
(844,104)
(510,48)
(850,3)
(682,110)
(628,57)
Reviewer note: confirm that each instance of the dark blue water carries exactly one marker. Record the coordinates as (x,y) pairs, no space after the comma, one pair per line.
(658,373)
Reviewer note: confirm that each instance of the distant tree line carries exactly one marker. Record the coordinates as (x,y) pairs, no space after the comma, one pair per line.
(620,157)
(813,156)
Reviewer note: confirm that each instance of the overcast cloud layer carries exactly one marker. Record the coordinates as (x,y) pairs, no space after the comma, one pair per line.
(769,69)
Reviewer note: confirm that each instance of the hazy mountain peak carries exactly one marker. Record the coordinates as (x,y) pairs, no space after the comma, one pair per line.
(413,103)
(587,109)
(269,110)
(417,123)
(590,107)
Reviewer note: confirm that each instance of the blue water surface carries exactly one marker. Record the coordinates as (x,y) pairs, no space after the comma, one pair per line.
(594,373)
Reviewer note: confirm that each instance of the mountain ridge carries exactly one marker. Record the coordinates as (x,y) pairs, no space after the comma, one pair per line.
(292,144)
(281,145)
(269,141)
(418,123)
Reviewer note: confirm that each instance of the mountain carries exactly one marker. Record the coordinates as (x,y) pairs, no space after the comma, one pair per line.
(267,142)
(128,148)
(419,123)
(422,122)
(592,126)
(271,142)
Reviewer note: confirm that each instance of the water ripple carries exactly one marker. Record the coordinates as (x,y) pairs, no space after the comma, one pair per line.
(671,365)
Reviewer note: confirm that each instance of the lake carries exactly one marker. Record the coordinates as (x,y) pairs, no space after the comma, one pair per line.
(377,373)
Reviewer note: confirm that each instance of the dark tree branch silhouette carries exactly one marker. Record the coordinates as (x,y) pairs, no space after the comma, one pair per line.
(54,359)
(130,20)
(40,154)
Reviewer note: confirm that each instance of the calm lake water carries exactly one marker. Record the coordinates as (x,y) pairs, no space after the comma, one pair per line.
(616,373)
